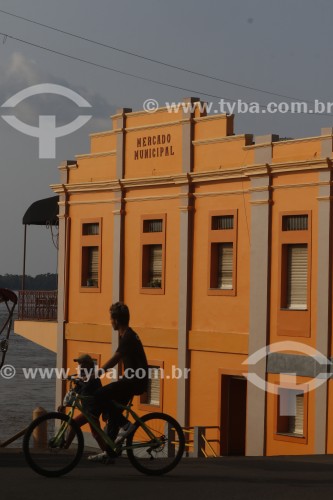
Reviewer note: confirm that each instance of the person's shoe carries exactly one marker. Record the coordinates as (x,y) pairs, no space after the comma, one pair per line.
(124,432)
(102,458)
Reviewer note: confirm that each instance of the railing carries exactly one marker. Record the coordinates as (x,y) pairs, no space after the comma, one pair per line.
(197,442)
(37,305)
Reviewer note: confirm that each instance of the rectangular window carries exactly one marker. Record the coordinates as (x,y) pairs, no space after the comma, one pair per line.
(296,423)
(222,222)
(291,413)
(155,266)
(294,274)
(295,223)
(90,229)
(225,258)
(152,399)
(153,226)
(90,255)
(223,250)
(152,253)
(90,267)
(153,395)
(297,276)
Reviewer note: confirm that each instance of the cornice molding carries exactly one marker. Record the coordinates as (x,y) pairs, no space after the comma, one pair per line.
(176,179)
(261,202)
(68,166)
(94,202)
(87,187)
(156,125)
(234,173)
(141,112)
(152,198)
(291,166)
(293,186)
(256,146)
(112,152)
(209,118)
(324,198)
(302,139)
(289,141)
(102,134)
(260,189)
(221,193)
(226,138)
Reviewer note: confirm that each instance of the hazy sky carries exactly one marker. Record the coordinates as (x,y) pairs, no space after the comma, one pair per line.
(283,47)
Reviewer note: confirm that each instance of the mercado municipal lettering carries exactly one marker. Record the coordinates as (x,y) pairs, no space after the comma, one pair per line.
(161,147)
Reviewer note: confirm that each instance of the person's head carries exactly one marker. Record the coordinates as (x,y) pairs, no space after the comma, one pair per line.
(120,315)
(86,362)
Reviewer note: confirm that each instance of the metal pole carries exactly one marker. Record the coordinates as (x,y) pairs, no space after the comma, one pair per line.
(24,256)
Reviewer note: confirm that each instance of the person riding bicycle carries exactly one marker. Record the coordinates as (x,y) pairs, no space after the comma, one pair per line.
(86,386)
(134,380)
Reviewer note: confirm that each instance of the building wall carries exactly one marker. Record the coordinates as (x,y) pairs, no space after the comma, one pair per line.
(186,167)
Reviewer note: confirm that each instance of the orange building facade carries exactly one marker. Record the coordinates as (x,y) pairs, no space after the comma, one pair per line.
(220,244)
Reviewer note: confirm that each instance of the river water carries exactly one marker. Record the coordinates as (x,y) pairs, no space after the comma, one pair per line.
(18,395)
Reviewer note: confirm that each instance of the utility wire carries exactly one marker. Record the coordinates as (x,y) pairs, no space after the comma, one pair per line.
(132,75)
(186,70)
(116,70)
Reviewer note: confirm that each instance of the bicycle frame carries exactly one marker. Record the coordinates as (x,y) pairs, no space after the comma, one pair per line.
(154,436)
(77,405)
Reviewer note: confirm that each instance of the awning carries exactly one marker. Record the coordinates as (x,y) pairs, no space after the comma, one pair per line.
(42,212)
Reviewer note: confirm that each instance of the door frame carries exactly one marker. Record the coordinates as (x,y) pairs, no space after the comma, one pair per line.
(230,372)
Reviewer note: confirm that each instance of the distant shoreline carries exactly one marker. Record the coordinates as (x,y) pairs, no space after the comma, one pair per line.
(47,282)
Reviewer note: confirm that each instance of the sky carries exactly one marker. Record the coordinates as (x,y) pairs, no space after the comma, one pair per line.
(281,47)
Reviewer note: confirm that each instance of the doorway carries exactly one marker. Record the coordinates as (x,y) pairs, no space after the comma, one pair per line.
(233,415)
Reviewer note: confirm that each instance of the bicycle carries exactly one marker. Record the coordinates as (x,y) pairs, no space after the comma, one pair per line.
(154,447)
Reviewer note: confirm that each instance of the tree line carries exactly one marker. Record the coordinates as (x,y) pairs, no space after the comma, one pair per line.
(46,281)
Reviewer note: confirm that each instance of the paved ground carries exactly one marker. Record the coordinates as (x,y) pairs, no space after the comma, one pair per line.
(222,478)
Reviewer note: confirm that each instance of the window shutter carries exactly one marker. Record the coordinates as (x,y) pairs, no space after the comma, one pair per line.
(296,423)
(155,263)
(297,276)
(93,265)
(91,229)
(222,222)
(225,261)
(295,223)
(153,226)
(153,396)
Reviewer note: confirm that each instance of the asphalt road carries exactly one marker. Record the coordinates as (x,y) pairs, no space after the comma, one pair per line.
(221,478)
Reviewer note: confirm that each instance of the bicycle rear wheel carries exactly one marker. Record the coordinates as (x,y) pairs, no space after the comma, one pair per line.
(54,456)
(157,445)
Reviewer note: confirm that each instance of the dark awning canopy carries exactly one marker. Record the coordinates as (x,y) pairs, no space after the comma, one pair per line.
(42,212)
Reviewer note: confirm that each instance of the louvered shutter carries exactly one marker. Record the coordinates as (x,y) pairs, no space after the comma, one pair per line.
(153,226)
(155,264)
(93,265)
(297,276)
(296,423)
(222,222)
(153,396)
(91,229)
(225,261)
(295,223)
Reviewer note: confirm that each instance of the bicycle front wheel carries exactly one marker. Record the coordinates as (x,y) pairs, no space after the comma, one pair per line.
(156,445)
(53,444)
